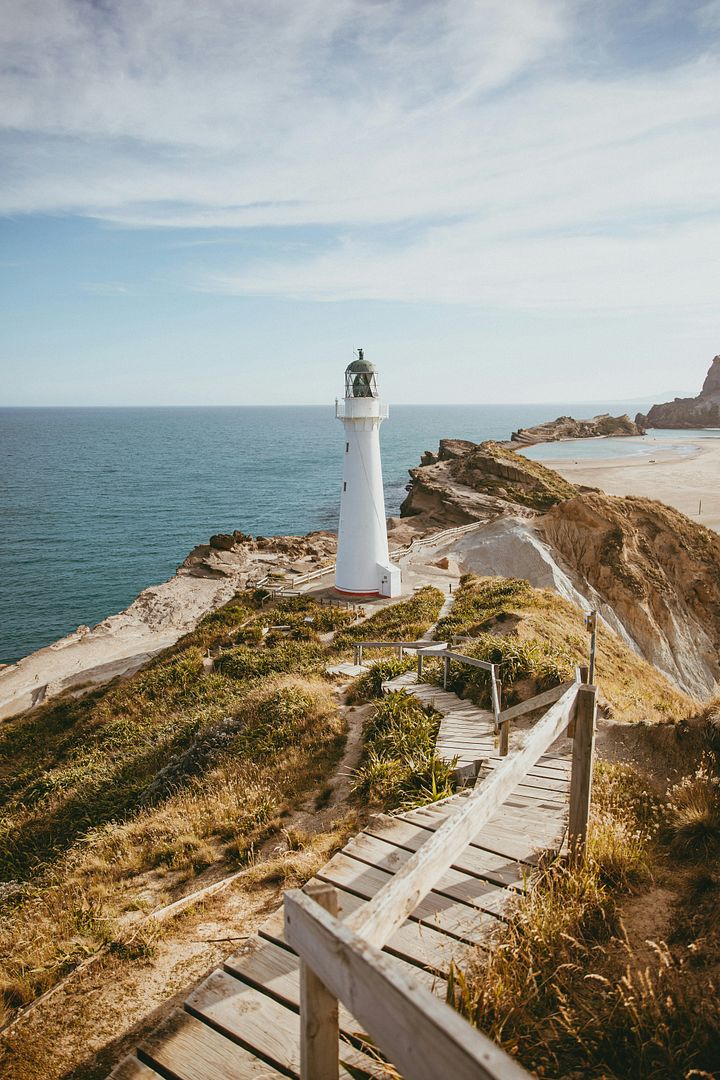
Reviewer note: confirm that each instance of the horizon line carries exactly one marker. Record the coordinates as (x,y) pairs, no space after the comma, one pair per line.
(329,405)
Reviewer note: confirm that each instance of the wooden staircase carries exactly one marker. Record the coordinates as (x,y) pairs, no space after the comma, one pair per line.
(244,1020)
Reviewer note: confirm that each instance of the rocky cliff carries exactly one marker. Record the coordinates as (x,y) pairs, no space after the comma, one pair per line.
(468,481)
(653,573)
(565,427)
(656,569)
(700,411)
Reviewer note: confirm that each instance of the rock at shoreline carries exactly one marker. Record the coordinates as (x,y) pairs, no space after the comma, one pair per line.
(565,427)
(468,481)
(697,412)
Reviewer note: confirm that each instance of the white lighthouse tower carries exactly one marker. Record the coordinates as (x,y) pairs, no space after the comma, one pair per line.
(363,564)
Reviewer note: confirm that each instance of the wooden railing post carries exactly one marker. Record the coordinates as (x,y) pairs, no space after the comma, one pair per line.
(582,767)
(581,676)
(446,665)
(319,1029)
(420,659)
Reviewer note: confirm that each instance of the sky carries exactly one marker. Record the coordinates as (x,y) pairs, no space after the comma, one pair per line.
(216,202)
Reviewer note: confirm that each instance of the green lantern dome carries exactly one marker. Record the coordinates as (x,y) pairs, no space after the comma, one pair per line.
(361,378)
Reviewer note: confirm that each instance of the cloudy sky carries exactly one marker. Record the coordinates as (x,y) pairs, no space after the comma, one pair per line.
(212,203)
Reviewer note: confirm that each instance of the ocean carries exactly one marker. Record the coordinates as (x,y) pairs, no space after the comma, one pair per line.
(98,503)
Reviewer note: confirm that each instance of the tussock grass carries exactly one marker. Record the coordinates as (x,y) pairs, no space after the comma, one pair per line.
(565,990)
(399,768)
(693,814)
(369,685)
(537,632)
(405,621)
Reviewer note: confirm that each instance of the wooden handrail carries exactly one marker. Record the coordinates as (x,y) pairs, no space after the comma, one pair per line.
(391,905)
(424,1037)
(471,661)
(421,1035)
(547,697)
(495,684)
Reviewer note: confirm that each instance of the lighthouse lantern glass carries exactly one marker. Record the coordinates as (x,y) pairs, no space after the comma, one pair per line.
(361,384)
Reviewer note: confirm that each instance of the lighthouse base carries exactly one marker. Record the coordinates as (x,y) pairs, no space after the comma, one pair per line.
(389,583)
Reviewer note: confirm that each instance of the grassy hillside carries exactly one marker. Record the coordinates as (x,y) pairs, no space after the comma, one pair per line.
(535,635)
(110,804)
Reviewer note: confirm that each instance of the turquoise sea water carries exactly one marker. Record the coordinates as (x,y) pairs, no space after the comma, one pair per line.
(644,446)
(97,504)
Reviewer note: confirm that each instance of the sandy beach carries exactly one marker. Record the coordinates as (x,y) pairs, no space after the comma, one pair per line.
(689,482)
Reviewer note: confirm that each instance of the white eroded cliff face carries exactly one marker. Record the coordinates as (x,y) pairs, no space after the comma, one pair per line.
(663,628)
(652,573)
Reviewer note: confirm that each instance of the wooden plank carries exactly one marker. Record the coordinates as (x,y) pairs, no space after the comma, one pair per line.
(319,1024)
(517,820)
(516,823)
(274,969)
(248,1020)
(473,860)
(437,910)
(548,783)
(416,944)
(131,1068)
(466,888)
(187,1049)
(538,702)
(422,1036)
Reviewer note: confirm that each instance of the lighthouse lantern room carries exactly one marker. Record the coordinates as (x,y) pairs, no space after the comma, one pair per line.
(363,565)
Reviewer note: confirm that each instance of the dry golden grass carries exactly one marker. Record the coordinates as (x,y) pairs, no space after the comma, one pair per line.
(289,737)
(568,990)
(507,607)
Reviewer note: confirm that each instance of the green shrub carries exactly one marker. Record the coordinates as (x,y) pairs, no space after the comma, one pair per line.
(369,685)
(480,600)
(518,659)
(406,621)
(399,767)
(246,663)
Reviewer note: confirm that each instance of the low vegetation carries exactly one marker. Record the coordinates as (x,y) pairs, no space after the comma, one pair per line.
(111,803)
(211,803)
(538,638)
(405,621)
(574,987)
(400,768)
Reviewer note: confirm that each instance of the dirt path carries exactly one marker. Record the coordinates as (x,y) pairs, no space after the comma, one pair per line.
(318,812)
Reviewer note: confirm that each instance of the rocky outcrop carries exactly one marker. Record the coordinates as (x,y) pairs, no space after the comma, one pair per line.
(653,574)
(697,412)
(468,481)
(565,427)
(245,558)
(658,571)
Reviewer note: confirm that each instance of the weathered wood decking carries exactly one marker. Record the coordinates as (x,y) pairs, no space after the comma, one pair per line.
(243,1021)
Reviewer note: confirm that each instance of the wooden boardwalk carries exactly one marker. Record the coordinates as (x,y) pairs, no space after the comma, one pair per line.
(243,1020)
(467,732)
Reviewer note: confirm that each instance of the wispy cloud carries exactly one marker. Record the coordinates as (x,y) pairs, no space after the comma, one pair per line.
(531,161)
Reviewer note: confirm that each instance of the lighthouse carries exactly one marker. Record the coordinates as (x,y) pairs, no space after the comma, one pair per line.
(363,565)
